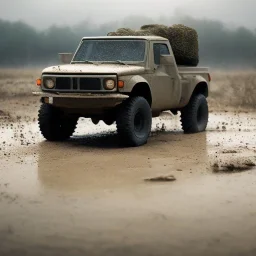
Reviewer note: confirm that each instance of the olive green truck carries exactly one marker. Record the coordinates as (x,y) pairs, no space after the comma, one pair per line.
(123,80)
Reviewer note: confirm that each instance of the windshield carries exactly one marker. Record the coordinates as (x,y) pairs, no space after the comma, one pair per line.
(111,51)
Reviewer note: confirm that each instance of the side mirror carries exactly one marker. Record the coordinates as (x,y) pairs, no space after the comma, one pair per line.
(65,58)
(166,60)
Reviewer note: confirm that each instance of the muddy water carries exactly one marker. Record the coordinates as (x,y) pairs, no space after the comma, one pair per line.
(88,196)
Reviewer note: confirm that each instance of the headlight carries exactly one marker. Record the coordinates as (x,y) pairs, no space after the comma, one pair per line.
(109,84)
(49,83)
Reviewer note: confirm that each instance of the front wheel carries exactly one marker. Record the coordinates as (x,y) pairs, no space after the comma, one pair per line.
(194,117)
(53,125)
(134,122)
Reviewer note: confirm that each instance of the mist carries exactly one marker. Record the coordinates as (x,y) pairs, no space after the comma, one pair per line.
(42,14)
(33,32)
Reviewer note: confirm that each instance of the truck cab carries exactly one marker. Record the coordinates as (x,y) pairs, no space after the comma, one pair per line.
(127,80)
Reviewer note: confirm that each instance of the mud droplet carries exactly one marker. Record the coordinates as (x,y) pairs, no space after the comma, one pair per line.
(168,178)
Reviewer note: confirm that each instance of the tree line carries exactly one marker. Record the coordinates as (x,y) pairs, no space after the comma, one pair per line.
(23,45)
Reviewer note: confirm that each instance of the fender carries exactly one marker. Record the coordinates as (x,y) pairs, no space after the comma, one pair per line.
(196,85)
(131,81)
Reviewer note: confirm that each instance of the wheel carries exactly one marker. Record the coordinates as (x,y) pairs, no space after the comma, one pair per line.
(53,125)
(134,122)
(194,117)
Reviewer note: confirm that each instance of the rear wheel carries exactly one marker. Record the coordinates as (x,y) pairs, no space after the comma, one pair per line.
(54,125)
(134,121)
(194,117)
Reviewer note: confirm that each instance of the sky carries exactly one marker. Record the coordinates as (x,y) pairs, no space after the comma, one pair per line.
(43,13)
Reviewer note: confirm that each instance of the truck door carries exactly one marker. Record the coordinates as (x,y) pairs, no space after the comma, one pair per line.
(163,84)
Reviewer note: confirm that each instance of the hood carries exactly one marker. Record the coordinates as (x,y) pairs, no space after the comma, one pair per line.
(96,69)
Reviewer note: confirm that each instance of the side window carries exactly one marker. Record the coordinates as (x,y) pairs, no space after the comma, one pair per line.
(160,49)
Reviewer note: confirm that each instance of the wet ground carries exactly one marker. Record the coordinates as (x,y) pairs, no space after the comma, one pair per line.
(89,196)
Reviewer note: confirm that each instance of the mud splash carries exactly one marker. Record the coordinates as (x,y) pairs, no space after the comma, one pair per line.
(169,178)
(229,151)
(234,166)
(4,114)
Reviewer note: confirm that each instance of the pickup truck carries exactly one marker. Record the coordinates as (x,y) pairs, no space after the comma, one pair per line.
(126,80)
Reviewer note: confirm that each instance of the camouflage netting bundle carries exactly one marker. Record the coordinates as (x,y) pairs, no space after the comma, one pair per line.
(130,32)
(184,40)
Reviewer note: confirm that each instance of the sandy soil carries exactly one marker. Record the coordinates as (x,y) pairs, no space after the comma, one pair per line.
(89,196)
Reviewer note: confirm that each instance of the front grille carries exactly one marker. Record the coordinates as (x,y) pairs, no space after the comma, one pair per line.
(90,84)
(76,84)
(63,83)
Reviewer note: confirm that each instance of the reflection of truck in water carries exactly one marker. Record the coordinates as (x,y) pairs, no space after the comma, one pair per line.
(127,80)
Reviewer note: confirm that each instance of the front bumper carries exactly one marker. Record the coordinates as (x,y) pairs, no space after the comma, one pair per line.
(100,96)
(90,102)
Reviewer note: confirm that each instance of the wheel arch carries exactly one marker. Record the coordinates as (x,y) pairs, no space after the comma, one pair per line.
(142,89)
(137,85)
(201,88)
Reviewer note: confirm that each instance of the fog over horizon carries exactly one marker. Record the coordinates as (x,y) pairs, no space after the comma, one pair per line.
(43,14)
(224,27)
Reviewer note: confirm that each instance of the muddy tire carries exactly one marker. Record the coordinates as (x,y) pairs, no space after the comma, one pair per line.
(53,125)
(194,117)
(134,122)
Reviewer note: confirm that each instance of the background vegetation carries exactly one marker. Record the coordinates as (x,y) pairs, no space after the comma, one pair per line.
(22,45)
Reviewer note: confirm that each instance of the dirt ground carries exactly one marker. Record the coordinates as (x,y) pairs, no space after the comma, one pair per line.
(89,196)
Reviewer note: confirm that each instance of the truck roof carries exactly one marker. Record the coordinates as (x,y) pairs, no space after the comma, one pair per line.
(148,38)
